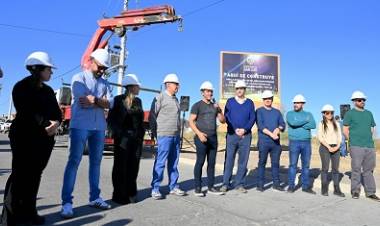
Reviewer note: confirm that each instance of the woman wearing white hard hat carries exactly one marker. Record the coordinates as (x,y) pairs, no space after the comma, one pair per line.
(330,137)
(32,139)
(126,119)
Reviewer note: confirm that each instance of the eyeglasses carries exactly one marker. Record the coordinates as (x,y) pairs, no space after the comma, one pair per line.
(270,98)
(240,88)
(359,100)
(298,103)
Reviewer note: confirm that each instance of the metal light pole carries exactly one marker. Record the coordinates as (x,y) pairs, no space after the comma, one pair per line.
(123,41)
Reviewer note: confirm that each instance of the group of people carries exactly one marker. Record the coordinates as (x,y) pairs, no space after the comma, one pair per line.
(39,116)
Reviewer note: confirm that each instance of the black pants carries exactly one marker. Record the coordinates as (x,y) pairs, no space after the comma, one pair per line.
(125,168)
(29,158)
(326,157)
(207,149)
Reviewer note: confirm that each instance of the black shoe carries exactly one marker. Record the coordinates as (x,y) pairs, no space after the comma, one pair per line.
(260,188)
(338,192)
(309,191)
(291,190)
(325,190)
(355,195)
(38,220)
(373,197)
(198,192)
(215,191)
(278,188)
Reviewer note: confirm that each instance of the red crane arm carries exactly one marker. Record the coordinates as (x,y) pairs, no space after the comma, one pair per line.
(129,18)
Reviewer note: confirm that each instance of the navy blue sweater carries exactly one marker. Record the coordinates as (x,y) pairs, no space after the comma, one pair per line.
(239,116)
(270,120)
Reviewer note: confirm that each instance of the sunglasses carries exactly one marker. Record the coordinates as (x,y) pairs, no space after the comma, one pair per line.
(328,113)
(100,67)
(240,88)
(359,100)
(268,98)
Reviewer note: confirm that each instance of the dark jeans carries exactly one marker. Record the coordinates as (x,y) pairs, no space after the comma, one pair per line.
(326,157)
(235,144)
(29,158)
(207,149)
(297,148)
(125,169)
(274,149)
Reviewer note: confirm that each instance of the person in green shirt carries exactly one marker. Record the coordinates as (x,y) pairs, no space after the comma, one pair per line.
(359,127)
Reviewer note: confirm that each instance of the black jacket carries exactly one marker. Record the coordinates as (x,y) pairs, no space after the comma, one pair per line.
(35,107)
(126,122)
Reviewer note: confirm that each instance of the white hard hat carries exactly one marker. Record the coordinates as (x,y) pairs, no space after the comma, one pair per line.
(327,107)
(240,84)
(171,78)
(267,94)
(131,79)
(39,58)
(299,99)
(358,95)
(102,56)
(206,85)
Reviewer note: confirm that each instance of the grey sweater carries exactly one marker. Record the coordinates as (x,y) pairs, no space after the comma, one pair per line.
(167,112)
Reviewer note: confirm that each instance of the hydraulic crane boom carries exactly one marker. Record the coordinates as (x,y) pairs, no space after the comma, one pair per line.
(130,18)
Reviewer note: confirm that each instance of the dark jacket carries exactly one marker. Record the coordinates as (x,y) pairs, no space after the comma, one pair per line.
(35,107)
(126,122)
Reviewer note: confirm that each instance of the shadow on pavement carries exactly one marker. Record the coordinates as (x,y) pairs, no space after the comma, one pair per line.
(118,222)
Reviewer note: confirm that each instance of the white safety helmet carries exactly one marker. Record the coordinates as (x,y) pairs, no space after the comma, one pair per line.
(131,79)
(267,94)
(358,95)
(102,56)
(206,85)
(39,58)
(299,98)
(240,84)
(171,78)
(327,107)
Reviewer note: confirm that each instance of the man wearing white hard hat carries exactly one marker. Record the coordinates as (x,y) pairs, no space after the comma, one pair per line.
(359,127)
(91,95)
(31,139)
(203,122)
(166,112)
(125,120)
(240,117)
(270,124)
(300,124)
(330,137)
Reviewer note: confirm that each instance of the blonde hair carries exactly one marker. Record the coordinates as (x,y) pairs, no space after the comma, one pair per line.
(129,97)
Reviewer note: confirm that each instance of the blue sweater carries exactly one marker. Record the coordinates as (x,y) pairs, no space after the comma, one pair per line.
(270,120)
(239,116)
(300,124)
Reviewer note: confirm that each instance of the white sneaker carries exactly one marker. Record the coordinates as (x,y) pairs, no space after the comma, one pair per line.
(100,204)
(177,191)
(67,211)
(156,195)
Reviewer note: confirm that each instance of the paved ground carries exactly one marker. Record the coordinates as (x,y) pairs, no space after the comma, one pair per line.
(253,208)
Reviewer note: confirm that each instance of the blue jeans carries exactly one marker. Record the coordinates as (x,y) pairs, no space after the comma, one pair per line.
(78,139)
(168,150)
(207,149)
(274,149)
(297,148)
(242,146)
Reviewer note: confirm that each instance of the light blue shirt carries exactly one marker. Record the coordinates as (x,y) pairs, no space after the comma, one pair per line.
(88,118)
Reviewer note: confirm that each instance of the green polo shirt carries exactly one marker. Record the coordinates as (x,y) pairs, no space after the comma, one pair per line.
(360,123)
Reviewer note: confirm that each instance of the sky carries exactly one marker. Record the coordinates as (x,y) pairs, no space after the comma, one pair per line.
(328,49)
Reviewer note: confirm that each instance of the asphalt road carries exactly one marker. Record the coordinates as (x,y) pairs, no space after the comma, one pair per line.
(254,208)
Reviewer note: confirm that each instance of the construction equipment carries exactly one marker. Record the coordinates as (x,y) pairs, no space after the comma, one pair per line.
(132,19)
